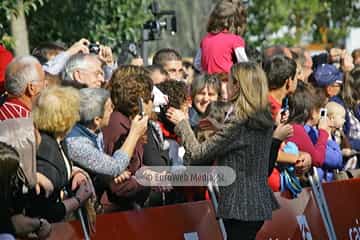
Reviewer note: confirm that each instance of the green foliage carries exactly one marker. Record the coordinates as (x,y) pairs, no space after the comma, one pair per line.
(10,8)
(108,21)
(301,18)
(113,21)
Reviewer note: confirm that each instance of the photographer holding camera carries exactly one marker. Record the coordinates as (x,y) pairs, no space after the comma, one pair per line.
(338,57)
(83,70)
(84,64)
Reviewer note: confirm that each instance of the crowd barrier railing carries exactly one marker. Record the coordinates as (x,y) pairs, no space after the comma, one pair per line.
(298,218)
(301,218)
(188,221)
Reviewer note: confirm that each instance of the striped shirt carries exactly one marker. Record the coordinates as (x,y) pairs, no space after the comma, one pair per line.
(13,108)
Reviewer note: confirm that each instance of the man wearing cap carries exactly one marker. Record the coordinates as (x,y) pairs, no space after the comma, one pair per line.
(328,77)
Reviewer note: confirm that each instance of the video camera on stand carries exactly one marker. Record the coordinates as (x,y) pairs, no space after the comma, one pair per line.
(163,20)
(152,29)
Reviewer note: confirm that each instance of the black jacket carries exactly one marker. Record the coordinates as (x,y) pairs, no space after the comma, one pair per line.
(49,162)
(154,155)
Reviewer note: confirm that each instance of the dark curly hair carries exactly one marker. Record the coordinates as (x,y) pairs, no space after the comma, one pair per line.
(177,94)
(126,90)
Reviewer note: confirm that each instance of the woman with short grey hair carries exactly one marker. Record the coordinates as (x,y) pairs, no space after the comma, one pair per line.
(85,141)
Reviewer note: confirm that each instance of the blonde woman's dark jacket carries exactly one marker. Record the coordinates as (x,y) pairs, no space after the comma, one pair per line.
(245,147)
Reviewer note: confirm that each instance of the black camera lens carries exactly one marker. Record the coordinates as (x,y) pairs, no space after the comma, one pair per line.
(94,48)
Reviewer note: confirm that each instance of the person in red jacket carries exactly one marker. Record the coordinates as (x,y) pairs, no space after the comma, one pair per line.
(5,58)
(301,104)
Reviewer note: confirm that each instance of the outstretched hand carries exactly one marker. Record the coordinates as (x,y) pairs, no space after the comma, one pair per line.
(79,46)
(175,115)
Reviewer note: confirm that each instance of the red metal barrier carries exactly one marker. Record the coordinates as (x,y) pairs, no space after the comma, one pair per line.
(343,199)
(293,213)
(168,222)
(296,219)
(301,216)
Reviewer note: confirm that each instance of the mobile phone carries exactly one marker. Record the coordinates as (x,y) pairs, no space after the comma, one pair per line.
(284,108)
(323,112)
(141,107)
(285,103)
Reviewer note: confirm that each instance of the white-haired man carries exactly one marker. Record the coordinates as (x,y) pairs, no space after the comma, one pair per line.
(83,70)
(24,80)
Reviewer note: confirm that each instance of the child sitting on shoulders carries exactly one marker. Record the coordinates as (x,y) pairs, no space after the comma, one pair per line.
(223,45)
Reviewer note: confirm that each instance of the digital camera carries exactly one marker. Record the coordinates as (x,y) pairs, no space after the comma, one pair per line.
(94,48)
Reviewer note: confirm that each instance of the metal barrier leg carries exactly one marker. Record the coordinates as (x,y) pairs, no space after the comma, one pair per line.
(215,204)
(321,202)
(83,224)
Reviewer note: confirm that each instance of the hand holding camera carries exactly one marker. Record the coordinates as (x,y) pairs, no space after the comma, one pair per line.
(139,125)
(341,59)
(104,52)
(347,63)
(283,115)
(323,113)
(323,121)
(105,55)
(79,46)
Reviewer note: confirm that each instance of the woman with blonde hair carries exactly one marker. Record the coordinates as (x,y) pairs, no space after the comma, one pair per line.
(244,145)
(55,113)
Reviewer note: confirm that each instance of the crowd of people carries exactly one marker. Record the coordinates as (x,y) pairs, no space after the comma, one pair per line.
(76,126)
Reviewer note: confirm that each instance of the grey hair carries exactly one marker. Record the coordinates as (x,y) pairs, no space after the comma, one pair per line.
(19,73)
(92,104)
(203,80)
(75,62)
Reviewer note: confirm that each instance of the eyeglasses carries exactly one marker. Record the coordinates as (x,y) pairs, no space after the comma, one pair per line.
(99,73)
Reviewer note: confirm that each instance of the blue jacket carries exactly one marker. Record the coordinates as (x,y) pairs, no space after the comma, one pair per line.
(333,157)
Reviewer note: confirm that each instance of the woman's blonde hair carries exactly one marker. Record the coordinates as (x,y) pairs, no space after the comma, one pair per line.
(228,15)
(251,83)
(56,110)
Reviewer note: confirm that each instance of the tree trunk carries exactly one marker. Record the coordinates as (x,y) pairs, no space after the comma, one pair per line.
(19,31)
